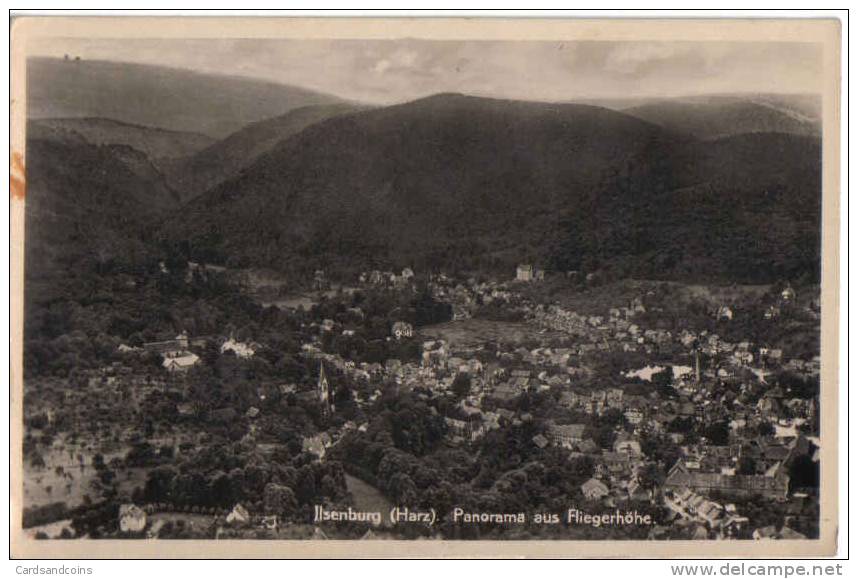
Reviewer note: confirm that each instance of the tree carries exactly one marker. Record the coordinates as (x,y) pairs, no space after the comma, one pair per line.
(403,489)
(159,484)
(765,429)
(461,385)
(804,473)
(718,433)
(279,500)
(651,476)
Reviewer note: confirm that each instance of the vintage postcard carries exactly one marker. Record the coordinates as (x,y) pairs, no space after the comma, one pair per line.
(290,287)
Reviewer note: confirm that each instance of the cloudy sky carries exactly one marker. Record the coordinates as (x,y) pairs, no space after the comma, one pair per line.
(388,71)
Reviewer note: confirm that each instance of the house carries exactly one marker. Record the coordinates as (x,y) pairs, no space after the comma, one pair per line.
(569,399)
(240,349)
(456,427)
(124,349)
(179,361)
(637,492)
(588,446)
(566,435)
(177,344)
(269,522)
(694,507)
(286,389)
(788,294)
(634,415)
(594,489)
(524,272)
(468,429)
(238,516)
(724,313)
(769,407)
(710,512)
(614,398)
(613,464)
(627,444)
(540,441)
(316,444)
(132,519)
(680,476)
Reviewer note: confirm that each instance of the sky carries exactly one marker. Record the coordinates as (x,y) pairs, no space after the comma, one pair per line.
(390,71)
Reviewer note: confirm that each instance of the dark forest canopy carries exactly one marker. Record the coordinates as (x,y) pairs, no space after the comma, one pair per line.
(458,183)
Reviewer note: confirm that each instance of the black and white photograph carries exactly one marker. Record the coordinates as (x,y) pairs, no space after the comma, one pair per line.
(424,288)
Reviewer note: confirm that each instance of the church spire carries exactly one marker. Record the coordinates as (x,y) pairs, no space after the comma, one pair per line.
(324,390)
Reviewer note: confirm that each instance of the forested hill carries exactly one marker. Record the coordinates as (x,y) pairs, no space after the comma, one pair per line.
(88,205)
(425,182)
(201,170)
(453,181)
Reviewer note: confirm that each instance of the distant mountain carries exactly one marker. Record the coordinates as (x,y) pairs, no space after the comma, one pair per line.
(152,96)
(203,170)
(155,143)
(453,181)
(87,203)
(714,117)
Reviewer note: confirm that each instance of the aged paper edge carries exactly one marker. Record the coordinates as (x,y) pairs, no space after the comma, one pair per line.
(822,31)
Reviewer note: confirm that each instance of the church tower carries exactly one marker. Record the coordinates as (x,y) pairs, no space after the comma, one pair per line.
(324,390)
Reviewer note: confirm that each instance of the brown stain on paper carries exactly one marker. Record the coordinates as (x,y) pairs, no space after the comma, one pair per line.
(17,181)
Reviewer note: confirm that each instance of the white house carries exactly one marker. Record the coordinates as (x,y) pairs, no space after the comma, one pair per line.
(594,489)
(132,519)
(179,361)
(240,349)
(524,272)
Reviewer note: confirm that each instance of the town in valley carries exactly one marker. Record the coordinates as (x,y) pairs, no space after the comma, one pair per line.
(255,310)
(693,405)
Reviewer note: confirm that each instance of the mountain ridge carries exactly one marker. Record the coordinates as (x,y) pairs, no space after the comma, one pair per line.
(156,96)
(157,143)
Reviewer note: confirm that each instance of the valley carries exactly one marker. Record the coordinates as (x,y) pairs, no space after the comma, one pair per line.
(264,300)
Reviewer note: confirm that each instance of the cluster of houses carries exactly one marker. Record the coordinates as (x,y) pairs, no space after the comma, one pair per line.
(710,516)
(733,387)
(150,519)
(177,355)
(389,279)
